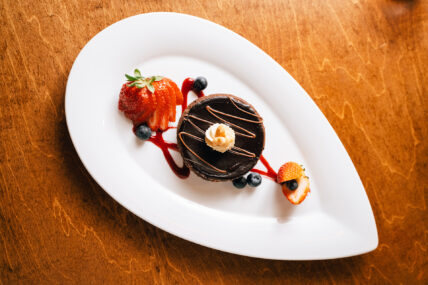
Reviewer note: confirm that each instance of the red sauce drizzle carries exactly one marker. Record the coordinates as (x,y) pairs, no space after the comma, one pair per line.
(269,173)
(185,88)
(157,139)
(184,172)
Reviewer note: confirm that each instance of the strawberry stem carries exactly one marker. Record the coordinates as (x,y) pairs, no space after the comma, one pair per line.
(141,81)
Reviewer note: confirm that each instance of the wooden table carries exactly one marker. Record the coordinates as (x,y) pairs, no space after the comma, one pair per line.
(364,62)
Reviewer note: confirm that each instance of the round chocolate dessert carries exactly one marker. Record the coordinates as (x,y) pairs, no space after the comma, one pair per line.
(229,110)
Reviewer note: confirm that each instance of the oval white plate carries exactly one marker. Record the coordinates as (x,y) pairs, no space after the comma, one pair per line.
(335,220)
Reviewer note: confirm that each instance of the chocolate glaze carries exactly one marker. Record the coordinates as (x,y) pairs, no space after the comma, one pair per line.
(230,110)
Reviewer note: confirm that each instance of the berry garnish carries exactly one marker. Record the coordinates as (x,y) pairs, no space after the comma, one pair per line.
(254,179)
(289,171)
(200,83)
(240,182)
(291,184)
(294,182)
(150,100)
(143,132)
(297,196)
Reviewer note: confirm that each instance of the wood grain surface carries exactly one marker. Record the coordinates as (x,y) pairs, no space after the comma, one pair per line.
(364,62)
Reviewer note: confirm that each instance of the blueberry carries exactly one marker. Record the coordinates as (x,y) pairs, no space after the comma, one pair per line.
(240,182)
(200,83)
(291,184)
(254,179)
(143,132)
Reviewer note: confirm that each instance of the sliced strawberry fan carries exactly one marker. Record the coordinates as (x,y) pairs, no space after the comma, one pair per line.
(150,100)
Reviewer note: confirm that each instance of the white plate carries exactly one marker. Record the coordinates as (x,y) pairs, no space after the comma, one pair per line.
(335,220)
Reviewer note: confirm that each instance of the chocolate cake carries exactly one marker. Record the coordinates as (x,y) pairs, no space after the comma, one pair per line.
(229,110)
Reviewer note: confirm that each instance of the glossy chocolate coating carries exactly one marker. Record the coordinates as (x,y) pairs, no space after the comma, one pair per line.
(232,164)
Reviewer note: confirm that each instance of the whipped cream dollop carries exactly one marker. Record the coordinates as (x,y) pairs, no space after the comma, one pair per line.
(220,137)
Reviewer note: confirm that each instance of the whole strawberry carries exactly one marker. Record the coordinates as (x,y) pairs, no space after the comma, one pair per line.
(150,100)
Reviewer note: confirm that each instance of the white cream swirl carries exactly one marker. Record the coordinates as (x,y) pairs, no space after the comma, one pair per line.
(220,137)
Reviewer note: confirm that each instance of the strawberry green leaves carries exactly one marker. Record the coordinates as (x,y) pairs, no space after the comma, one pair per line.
(137,73)
(139,81)
(130,78)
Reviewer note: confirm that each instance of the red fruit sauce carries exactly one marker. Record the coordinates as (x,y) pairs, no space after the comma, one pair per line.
(157,139)
(269,173)
(184,172)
